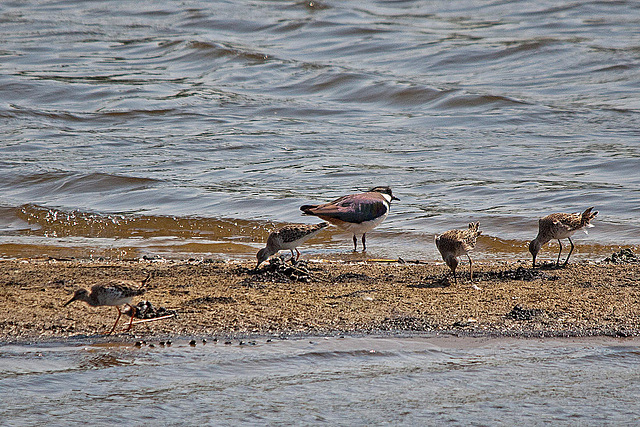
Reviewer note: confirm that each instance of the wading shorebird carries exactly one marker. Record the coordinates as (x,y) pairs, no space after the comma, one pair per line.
(288,237)
(560,226)
(454,243)
(355,213)
(114,293)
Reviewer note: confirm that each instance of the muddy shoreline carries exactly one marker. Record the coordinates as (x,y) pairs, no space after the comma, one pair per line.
(225,300)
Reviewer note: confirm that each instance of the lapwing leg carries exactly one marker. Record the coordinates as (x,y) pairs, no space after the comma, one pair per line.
(117,319)
(567,260)
(133,312)
(297,256)
(470,267)
(364,244)
(559,252)
(355,243)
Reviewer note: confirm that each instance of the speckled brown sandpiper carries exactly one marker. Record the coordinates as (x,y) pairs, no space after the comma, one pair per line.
(114,293)
(288,237)
(560,226)
(454,243)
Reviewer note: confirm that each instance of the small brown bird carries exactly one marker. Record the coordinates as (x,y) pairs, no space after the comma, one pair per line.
(454,243)
(288,237)
(114,293)
(560,226)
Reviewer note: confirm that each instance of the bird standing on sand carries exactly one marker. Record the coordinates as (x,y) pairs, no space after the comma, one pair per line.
(454,243)
(115,293)
(560,226)
(355,213)
(288,237)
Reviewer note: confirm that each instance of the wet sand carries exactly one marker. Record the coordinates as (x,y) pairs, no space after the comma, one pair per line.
(231,299)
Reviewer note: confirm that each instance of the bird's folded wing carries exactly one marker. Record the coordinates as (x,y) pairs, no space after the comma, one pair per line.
(350,209)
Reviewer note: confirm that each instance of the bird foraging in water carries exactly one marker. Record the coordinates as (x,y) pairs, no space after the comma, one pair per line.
(355,213)
(288,237)
(114,293)
(454,243)
(560,226)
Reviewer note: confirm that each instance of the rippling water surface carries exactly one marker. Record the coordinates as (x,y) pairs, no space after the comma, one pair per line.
(193,127)
(348,381)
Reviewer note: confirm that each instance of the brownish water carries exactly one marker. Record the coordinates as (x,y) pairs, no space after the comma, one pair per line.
(192,129)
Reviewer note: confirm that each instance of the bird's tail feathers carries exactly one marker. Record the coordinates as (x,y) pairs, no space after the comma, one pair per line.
(307,209)
(587,216)
(474,226)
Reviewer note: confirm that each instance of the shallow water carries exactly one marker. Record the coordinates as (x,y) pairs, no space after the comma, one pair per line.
(335,381)
(193,128)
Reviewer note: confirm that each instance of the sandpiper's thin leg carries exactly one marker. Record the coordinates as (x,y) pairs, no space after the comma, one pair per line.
(297,256)
(355,243)
(470,267)
(133,312)
(293,256)
(117,319)
(559,252)
(567,260)
(364,244)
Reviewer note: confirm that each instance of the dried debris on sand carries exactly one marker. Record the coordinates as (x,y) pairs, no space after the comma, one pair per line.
(235,299)
(623,256)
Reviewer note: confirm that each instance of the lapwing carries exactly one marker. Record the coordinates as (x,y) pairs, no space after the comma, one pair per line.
(355,213)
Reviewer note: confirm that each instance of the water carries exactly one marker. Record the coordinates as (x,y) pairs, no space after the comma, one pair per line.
(192,128)
(333,381)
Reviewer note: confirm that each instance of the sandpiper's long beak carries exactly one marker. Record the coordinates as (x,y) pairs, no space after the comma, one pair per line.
(70,301)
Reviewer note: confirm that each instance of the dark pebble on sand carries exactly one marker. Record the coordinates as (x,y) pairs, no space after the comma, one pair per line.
(521,313)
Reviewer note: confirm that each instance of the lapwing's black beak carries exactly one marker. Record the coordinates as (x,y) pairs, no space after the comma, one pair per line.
(394,198)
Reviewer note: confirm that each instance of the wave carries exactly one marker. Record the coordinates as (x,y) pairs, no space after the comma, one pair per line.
(459,99)
(46,183)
